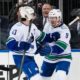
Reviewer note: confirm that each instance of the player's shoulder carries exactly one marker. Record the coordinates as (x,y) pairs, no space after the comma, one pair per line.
(64,26)
(17,25)
(33,26)
(64,29)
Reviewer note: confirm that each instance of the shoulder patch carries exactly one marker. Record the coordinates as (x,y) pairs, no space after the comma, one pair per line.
(14,32)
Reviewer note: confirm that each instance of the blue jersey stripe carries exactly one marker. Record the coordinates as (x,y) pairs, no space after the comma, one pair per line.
(73,50)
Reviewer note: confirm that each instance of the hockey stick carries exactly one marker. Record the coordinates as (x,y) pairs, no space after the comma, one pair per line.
(20,70)
(77,18)
(22,61)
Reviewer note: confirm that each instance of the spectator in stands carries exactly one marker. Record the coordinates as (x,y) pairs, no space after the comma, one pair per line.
(40,21)
(75,30)
(39,9)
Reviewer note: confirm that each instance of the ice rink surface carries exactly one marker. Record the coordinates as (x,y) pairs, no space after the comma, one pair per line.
(5,59)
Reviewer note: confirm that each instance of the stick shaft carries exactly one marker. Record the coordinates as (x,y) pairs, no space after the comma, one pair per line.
(73,21)
(22,62)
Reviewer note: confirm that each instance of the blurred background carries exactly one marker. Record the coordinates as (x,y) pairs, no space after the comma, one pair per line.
(69,8)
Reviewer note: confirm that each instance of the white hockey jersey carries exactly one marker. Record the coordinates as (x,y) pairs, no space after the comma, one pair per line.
(20,32)
(63,41)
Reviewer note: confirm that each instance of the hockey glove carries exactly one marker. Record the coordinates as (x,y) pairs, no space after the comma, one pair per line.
(14,45)
(44,38)
(51,37)
(44,50)
(53,50)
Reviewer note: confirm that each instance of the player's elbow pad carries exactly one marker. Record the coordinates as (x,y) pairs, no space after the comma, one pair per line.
(57,50)
(51,37)
(13,45)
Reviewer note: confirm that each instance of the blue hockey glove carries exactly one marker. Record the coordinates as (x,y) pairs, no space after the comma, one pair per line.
(53,50)
(52,37)
(44,38)
(55,36)
(44,50)
(12,44)
(25,45)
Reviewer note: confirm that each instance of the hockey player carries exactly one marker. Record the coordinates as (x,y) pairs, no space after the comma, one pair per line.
(59,58)
(23,36)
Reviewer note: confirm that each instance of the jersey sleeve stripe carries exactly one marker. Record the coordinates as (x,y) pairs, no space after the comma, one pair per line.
(41,38)
(52,57)
(61,44)
(9,40)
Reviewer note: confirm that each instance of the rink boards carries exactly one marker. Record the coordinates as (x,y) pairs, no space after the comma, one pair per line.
(6,60)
